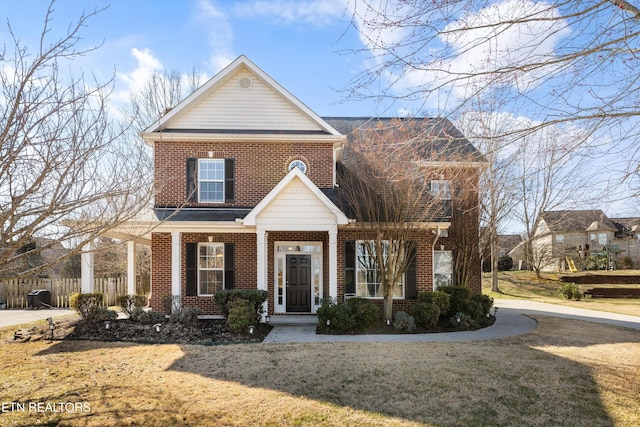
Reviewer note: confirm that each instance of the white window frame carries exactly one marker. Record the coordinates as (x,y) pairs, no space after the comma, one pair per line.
(281,250)
(436,273)
(441,188)
(201,268)
(204,180)
(362,284)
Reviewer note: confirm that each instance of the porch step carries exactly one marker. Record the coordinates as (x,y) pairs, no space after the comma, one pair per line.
(282,320)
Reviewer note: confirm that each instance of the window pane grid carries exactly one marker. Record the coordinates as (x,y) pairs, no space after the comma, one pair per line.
(210,268)
(211,180)
(368,281)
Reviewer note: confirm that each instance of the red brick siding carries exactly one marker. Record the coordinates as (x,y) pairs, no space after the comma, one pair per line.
(160,269)
(259,167)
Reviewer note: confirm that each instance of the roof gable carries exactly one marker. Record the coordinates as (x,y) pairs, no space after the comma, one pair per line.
(292,200)
(241,98)
(576,220)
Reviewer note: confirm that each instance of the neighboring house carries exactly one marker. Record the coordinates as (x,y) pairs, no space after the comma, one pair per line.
(568,238)
(247,196)
(506,243)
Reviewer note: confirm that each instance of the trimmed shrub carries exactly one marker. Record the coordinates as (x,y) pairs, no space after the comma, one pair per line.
(334,317)
(485,301)
(624,263)
(254,296)
(86,304)
(130,302)
(426,314)
(505,263)
(186,316)
(147,317)
(462,321)
(403,321)
(364,312)
(101,314)
(473,309)
(241,315)
(438,298)
(571,291)
(458,296)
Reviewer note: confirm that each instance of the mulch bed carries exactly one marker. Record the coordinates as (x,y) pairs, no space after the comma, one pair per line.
(205,331)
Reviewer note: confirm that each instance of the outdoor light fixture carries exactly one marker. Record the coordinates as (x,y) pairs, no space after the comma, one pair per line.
(157,327)
(267,319)
(107,324)
(388,322)
(251,327)
(328,322)
(51,325)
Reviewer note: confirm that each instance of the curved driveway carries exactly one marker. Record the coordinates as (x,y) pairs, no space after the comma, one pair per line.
(511,320)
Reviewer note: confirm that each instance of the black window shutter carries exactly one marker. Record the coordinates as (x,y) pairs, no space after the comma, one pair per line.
(350,267)
(192,180)
(229,265)
(411,279)
(192,269)
(229,180)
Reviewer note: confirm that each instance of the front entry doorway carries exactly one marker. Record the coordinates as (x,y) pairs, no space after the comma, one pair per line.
(299,283)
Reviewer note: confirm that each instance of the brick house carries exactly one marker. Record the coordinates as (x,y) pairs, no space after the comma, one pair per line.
(246,178)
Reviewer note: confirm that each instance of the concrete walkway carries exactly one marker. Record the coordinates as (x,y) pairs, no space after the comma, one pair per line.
(510,321)
(17,317)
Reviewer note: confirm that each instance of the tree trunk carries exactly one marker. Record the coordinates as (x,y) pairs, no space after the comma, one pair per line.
(387,306)
(494,261)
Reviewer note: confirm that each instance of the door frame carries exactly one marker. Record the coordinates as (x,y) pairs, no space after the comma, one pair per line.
(283,248)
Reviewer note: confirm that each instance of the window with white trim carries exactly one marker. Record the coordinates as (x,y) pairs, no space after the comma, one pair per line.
(368,281)
(441,188)
(442,269)
(211,180)
(210,268)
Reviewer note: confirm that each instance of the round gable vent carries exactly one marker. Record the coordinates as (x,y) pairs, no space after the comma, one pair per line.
(245,83)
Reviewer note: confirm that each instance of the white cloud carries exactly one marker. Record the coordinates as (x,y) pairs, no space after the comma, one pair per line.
(146,65)
(220,33)
(316,12)
(468,50)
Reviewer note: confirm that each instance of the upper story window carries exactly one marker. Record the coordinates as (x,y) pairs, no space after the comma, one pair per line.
(441,188)
(298,164)
(601,238)
(211,180)
(559,238)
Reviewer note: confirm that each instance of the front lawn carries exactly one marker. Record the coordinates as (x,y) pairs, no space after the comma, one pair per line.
(566,372)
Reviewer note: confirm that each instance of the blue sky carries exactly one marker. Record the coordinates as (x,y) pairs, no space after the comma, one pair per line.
(295,42)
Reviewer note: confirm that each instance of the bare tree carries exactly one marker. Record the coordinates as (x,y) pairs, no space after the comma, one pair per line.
(499,181)
(386,187)
(62,158)
(560,63)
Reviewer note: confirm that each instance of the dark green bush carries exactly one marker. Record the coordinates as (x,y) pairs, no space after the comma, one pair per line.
(463,322)
(147,317)
(186,316)
(86,304)
(473,309)
(458,296)
(241,315)
(101,314)
(403,321)
(485,301)
(254,296)
(364,312)
(438,298)
(426,314)
(130,302)
(505,263)
(334,317)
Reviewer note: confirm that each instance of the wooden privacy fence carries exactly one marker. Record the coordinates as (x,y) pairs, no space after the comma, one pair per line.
(13,292)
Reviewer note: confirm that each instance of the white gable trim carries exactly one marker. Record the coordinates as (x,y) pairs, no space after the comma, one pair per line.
(212,84)
(250,219)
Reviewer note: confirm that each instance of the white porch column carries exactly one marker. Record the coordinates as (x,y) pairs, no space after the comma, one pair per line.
(131,267)
(333,264)
(261,254)
(175,267)
(86,269)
